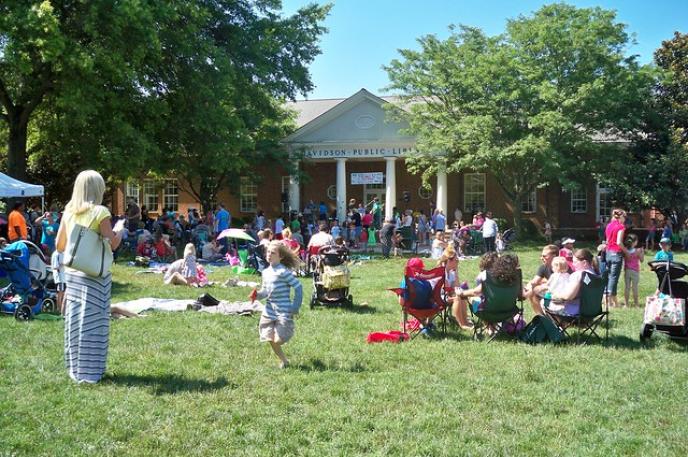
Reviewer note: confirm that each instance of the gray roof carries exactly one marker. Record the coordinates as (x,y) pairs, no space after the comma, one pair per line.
(307,110)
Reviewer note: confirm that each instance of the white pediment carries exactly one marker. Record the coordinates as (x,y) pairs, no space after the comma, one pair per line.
(360,119)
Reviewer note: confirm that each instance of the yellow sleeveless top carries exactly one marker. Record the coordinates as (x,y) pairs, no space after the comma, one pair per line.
(94,216)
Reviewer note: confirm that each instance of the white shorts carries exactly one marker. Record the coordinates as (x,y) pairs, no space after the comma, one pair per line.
(279,330)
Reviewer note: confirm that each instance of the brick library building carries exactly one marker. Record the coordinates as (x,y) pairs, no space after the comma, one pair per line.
(350,151)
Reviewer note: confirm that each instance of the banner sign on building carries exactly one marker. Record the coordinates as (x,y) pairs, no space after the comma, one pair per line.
(367,178)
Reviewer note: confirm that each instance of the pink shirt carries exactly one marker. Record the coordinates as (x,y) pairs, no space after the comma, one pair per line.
(612,233)
(633,260)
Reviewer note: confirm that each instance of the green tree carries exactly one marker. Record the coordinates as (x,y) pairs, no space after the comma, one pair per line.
(84,60)
(227,68)
(650,172)
(524,106)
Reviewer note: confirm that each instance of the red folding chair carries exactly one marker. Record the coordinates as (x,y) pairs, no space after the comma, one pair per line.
(422,298)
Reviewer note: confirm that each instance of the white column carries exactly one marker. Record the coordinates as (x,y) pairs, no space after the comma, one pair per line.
(341,190)
(294,190)
(390,187)
(442,190)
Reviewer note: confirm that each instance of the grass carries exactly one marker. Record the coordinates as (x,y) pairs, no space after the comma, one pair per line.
(197,384)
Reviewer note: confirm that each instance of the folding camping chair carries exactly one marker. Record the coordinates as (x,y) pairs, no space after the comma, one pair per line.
(501,303)
(422,298)
(591,314)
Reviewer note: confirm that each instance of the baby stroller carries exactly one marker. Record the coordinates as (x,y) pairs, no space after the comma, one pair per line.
(331,277)
(28,293)
(668,276)
(256,257)
(508,237)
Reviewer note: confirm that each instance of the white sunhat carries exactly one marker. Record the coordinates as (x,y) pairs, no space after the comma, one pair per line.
(568,241)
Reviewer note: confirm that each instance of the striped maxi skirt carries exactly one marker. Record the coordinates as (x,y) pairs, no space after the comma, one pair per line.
(87,325)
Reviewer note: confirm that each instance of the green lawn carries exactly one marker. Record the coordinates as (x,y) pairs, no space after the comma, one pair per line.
(196,384)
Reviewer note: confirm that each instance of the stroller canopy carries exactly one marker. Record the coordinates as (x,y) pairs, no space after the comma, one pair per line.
(15,261)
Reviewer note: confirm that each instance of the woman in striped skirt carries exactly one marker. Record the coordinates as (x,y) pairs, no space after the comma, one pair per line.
(87,298)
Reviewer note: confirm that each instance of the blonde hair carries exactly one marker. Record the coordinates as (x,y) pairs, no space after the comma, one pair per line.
(559,264)
(287,256)
(448,253)
(88,191)
(189,250)
(286,232)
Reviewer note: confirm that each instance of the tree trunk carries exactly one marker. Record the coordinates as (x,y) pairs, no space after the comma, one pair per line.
(16,150)
(517,201)
(208,195)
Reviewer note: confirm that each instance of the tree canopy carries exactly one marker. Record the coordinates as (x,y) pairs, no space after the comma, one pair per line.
(187,87)
(527,105)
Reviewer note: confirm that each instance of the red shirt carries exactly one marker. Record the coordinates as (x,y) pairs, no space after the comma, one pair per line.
(612,233)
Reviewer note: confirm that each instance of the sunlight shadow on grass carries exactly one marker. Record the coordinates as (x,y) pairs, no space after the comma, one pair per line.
(319,365)
(356,309)
(168,384)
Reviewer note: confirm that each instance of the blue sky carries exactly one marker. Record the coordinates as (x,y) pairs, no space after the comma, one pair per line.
(365,34)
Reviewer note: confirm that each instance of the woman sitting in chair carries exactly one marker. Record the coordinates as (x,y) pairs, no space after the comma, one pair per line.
(566,300)
(503,269)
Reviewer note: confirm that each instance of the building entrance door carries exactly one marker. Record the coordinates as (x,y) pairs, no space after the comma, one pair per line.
(371,191)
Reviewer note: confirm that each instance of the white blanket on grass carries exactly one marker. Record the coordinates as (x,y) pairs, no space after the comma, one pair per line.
(169,304)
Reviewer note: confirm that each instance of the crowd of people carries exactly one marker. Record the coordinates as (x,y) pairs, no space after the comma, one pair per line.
(180,239)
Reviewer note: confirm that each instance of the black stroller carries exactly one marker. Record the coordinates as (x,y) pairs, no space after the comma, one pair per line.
(668,276)
(508,237)
(331,277)
(256,257)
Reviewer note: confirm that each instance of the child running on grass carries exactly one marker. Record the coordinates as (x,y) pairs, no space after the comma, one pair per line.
(277,322)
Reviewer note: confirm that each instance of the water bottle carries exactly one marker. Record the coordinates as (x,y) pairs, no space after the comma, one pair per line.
(548,299)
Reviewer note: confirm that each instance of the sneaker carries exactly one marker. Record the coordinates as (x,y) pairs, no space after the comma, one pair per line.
(426,332)
(284,365)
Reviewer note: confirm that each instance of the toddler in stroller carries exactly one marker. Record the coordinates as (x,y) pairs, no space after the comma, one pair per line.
(331,277)
(28,293)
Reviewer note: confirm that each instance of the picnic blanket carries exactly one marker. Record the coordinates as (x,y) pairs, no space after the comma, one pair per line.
(170,305)
(154,304)
(240,308)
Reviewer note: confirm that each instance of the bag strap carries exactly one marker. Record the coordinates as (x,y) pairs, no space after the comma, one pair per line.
(667,277)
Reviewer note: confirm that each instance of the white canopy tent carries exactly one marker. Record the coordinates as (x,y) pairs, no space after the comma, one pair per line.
(14,188)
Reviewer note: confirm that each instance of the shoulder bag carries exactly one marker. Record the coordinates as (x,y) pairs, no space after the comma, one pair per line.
(87,251)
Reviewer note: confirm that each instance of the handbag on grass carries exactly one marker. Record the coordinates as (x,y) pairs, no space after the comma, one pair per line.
(87,251)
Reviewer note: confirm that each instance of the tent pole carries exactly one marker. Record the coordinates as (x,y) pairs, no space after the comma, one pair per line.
(43,204)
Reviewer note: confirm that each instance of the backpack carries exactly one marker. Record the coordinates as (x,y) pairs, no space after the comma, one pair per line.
(207,300)
(540,330)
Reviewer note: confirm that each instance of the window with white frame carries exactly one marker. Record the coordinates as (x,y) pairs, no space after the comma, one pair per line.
(579,201)
(474,192)
(529,205)
(150,195)
(248,195)
(133,190)
(285,191)
(170,195)
(605,203)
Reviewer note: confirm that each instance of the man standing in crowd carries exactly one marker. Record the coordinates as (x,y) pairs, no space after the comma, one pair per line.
(16,224)
(440,221)
(133,216)
(489,232)
(223,219)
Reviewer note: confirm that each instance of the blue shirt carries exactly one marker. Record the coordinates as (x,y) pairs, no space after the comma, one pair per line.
(223,219)
(667,232)
(49,238)
(277,282)
(664,256)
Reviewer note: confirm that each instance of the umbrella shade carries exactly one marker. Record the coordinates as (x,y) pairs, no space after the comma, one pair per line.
(235,233)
